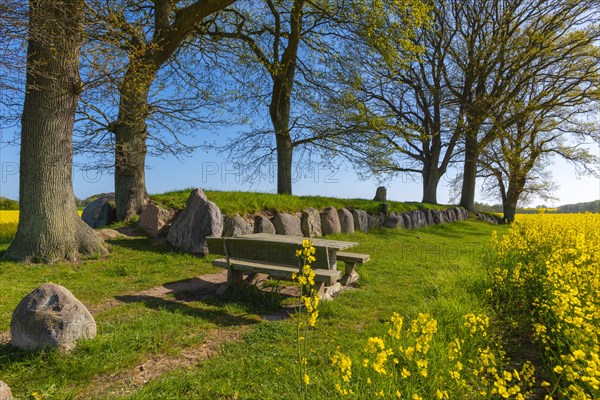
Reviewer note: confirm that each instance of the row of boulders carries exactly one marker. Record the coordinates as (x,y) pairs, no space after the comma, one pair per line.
(202,218)
(488,219)
(421,218)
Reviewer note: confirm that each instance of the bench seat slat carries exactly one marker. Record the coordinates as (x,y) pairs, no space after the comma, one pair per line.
(352,257)
(280,271)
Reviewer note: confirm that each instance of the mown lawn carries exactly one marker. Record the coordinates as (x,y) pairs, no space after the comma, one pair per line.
(436,270)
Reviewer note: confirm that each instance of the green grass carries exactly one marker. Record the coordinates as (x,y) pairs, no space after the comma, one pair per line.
(232,203)
(436,270)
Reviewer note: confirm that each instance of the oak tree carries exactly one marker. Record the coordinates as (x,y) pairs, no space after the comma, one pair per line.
(49,227)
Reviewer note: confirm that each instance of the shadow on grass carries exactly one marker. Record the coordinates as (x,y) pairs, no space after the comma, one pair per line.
(10,355)
(180,297)
(218,317)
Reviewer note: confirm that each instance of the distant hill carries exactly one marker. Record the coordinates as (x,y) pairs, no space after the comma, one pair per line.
(590,206)
(8,204)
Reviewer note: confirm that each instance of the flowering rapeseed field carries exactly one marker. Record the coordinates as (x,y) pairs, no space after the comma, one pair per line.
(406,363)
(9,216)
(546,274)
(12,216)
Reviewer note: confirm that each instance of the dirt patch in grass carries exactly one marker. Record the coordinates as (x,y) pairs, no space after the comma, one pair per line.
(124,383)
(202,286)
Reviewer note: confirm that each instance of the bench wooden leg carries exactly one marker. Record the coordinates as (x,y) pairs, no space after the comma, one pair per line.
(350,274)
(234,277)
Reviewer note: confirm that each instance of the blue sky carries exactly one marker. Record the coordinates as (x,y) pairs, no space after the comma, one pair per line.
(215,171)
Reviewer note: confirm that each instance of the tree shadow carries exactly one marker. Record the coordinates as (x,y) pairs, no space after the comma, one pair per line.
(219,317)
(180,297)
(145,244)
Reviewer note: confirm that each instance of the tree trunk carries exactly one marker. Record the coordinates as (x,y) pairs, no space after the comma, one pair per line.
(279,111)
(431,178)
(49,228)
(509,202)
(467,198)
(130,135)
(284,164)
(510,209)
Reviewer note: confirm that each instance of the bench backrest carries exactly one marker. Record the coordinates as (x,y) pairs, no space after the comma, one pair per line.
(259,250)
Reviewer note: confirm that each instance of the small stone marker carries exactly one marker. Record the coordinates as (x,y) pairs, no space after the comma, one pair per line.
(381,194)
(50,317)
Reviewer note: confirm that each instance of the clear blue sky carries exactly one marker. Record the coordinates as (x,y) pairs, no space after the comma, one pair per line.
(214,171)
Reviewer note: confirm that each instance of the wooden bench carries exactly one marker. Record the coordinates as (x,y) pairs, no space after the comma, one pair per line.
(351,260)
(276,259)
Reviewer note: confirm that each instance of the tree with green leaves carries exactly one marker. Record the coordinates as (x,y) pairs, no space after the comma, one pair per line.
(392,104)
(498,46)
(294,44)
(147,35)
(549,116)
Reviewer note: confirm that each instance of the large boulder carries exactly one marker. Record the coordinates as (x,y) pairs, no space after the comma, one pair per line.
(361,220)
(263,225)
(406,220)
(418,219)
(100,212)
(5,393)
(435,216)
(429,216)
(330,221)
(236,226)
(50,317)
(381,194)
(465,213)
(311,223)
(287,224)
(200,219)
(394,221)
(443,216)
(346,220)
(155,220)
(374,221)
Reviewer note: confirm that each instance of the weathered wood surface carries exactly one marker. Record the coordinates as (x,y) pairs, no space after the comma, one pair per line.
(278,252)
(327,276)
(332,244)
(352,257)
